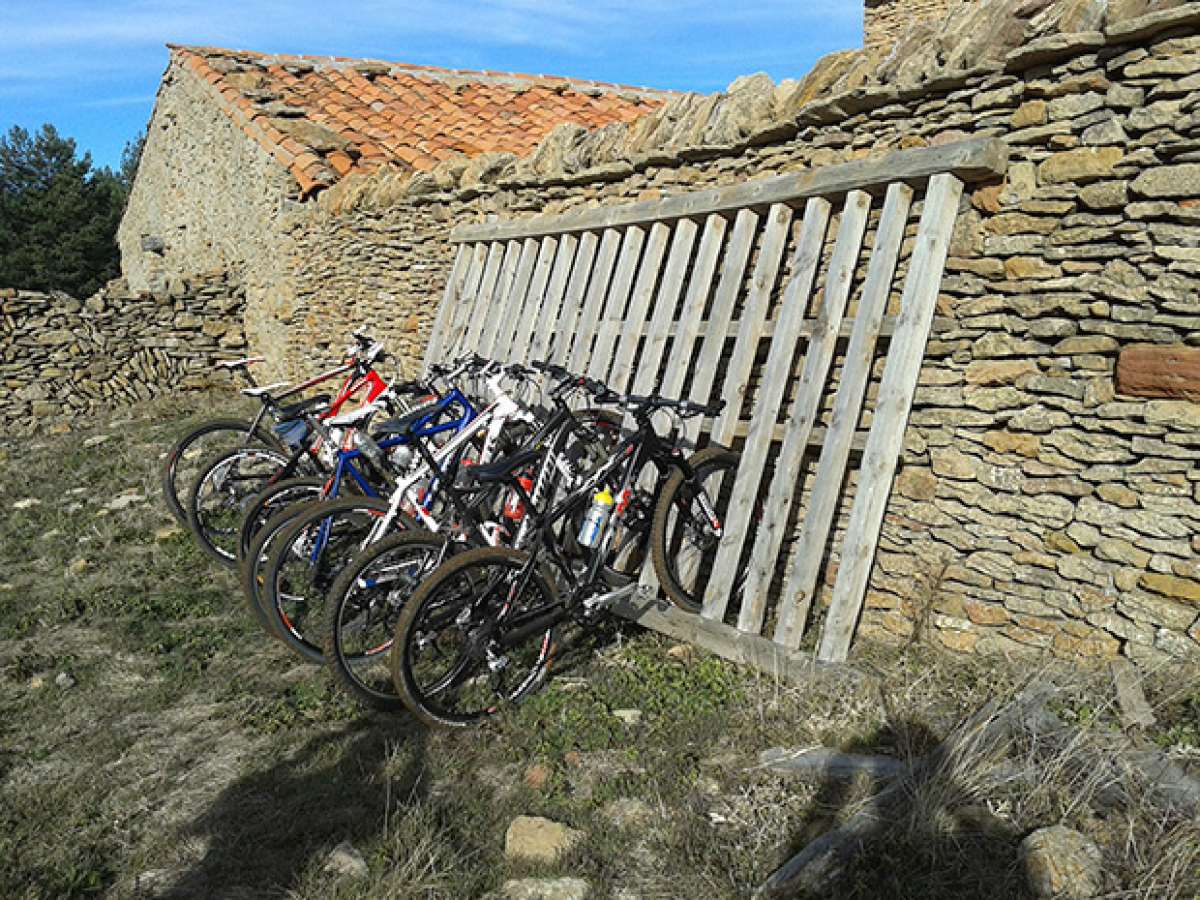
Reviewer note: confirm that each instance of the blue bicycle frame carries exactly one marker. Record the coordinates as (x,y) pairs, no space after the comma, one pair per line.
(425,427)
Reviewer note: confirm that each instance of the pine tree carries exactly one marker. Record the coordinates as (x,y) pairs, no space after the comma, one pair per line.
(58,215)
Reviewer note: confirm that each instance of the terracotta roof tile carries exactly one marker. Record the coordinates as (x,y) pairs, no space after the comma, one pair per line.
(401,114)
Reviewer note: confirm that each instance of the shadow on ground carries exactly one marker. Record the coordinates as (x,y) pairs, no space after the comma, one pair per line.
(935,841)
(268,826)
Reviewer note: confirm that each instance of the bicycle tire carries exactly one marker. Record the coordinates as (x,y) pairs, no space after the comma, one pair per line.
(363,606)
(173,478)
(251,567)
(221,495)
(683,585)
(340,527)
(445,595)
(270,501)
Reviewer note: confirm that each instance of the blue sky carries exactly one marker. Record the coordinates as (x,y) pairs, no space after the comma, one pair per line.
(91,67)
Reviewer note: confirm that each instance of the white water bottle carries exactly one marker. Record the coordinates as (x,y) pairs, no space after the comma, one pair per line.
(596,518)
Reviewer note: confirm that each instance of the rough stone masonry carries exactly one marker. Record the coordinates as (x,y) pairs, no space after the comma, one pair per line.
(1037,509)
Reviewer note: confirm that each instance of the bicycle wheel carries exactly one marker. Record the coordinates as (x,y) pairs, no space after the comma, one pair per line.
(223,493)
(269,501)
(252,566)
(181,467)
(305,561)
(450,662)
(683,545)
(363,607)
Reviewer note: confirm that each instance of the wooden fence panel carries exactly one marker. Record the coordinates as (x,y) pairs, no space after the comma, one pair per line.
(796,599)
(768,535)
(775,379)
(891,413)
(624,293)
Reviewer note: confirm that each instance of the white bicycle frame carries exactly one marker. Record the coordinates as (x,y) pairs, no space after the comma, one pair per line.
(491,421)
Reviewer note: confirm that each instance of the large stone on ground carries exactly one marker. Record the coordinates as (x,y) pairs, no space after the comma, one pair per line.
(539,839)
(1060,862)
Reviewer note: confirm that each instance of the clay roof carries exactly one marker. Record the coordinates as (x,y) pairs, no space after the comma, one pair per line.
(327,117)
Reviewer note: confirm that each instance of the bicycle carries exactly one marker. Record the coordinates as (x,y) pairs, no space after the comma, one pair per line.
(176,473)
(480,631)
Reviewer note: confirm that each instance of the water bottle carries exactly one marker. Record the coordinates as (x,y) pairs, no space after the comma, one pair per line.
(596,518)
(514,507)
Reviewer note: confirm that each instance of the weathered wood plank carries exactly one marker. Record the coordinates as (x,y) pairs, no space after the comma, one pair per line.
(718,327)
(754,313)
(806,406)
(664,306)
(891,414)
(774,382)
(633,326)
(978,159)
(690,317)
(593,302)
(581,273)
(497,306)
(483,297)
(544,326)
(460,317)
(538,298)
(1170,371)
(450,299)
(728,643)
(613,315)
(499,343)
(796,599)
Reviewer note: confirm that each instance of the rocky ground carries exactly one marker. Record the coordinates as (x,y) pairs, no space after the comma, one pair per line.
(154,743)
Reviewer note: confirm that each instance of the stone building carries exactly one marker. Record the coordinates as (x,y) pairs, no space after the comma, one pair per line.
(240,140)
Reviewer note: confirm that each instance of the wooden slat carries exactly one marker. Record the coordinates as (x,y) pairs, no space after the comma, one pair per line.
(496,310)
(664,306)
(593,301)
(891,414)
(544,326)
(483,298)
(460,317)
(634,324)
(802,416)
(531,316)
(450,299)
(581,273)
(978,159)
(499,343)
(613,315)
(774,382)
(796,599)
(717,328)
(754,313)
(699,287)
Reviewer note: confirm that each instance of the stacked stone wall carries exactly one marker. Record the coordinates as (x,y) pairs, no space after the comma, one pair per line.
(885,21)
(61,358)
(1036,509)
(206,198)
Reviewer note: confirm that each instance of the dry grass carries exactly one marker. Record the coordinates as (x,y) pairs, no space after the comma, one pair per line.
(194,758)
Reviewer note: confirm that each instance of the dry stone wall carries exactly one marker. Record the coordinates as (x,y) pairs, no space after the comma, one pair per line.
(206,198)
(1036,510)
(885,21)
(60,357)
